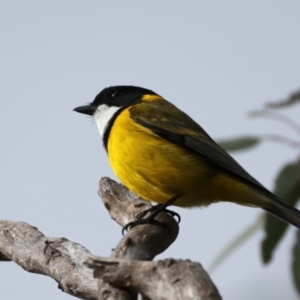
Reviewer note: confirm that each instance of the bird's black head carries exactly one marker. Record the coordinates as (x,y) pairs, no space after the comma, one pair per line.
(117,96)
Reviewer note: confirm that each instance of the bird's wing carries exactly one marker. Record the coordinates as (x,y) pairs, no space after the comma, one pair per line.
(177,127)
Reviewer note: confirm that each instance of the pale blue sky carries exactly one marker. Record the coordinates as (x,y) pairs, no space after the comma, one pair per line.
(216,60)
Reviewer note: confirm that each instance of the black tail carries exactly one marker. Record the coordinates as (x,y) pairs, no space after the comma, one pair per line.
(285,212)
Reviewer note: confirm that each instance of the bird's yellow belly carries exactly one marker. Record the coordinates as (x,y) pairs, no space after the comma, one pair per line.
(156,169)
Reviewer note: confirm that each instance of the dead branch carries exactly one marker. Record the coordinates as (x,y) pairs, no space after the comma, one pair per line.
(159,280)
(142,242)
(63,260)
(57,258)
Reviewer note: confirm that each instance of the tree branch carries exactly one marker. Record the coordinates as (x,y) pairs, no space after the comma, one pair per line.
(64,260)
(55,257)
(167,279)
(142,242)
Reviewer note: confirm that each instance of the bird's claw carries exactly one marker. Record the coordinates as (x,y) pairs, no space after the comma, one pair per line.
(150,220)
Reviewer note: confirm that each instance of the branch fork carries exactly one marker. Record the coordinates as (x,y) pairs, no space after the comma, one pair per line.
(128,272)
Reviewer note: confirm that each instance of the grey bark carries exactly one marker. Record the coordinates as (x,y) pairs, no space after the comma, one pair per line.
(127,272)
(159,280)
(57,258)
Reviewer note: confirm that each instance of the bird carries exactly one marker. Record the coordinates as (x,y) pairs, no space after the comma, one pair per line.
(164,156)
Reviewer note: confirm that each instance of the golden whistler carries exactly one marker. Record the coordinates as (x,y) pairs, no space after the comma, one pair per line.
(161,154)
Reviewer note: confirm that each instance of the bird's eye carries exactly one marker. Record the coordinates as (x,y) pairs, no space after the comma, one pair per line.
(114,94)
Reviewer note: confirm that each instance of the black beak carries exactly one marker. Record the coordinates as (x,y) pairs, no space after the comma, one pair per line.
(86,109)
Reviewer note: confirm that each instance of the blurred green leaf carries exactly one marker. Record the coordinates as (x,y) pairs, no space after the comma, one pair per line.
(238,241)
(239,143)
(294,97)
(296,263)
(288,189)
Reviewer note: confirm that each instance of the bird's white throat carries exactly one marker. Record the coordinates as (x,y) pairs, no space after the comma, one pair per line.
(103,115)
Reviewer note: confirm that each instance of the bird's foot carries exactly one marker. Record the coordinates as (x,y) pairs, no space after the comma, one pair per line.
(154,210)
